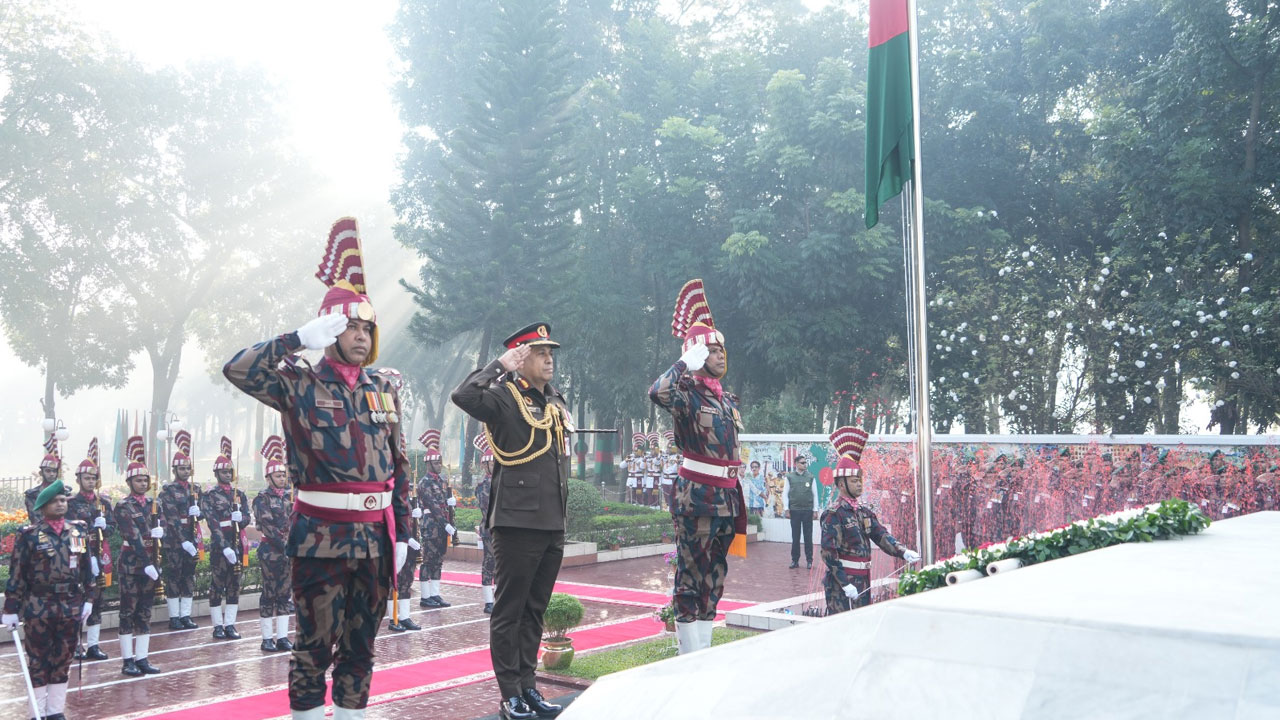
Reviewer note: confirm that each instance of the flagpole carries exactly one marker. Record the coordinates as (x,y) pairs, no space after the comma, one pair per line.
(923,428)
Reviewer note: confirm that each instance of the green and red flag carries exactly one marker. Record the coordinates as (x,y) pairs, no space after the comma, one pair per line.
(890,147)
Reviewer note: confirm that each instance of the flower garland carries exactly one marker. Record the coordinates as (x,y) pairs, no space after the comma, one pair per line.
(1158,521)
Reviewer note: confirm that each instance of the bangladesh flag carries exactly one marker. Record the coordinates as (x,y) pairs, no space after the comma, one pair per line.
(889,132)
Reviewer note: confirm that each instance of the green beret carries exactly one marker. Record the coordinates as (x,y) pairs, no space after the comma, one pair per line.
(49,493)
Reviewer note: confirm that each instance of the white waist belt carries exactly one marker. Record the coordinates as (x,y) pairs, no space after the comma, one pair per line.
(708,469)
(346,501)
(855,565)
(224,524)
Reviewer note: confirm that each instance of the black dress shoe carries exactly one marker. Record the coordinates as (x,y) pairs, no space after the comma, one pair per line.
(231,632)
(808,564)
(95,653)
(488,608)
(794,564)
(78,654)
(513,708)
(175,623)
(394,626)
(422,602)
(283,645)
(539,704)
(130,668)
(408,624)
(145,666)
(441,602)
(188,623)
(219,633)
(430,602)
(269,645)
(55,716)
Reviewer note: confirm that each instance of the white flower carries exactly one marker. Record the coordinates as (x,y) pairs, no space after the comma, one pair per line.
(1122,378)
(1022,407)
(1257,311)
(1244,328)
(1222,314)
(1110,381)
(1004,338)
(1248,257)
(1124,293)
(1219,404)
(1140,363)
(1051,314)
(1195,333)
(1244,289)
(995,318)
(1071,326)
(1162,236)
(1235,376)
(1203,318)
(973,353)
(965,374)
(1177,346)
(1031,351)
(982,337)
(1106,260)
(1154,346)
(1177,323)
(1025,254)
(937,347)
(1168,268)
(1106,271)
(1215,340)
(1221,300)
(1226,343)
(948,348)
(1122,417)
(963,338)
(1231,364)
(1016,373)
(1147,399)
(1031,263)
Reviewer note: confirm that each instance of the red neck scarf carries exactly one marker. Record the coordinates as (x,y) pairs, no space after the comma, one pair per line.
(713,385)
(56,525)
(349,373)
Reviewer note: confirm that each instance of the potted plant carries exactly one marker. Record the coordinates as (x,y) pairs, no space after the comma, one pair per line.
(563,613)
(617,542)
(667,614)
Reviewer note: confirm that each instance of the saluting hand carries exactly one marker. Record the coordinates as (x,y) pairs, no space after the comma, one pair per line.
(321,332)
(513,358)
(695,357)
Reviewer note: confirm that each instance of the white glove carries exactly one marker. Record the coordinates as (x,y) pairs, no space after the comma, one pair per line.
(449,529)
(851,591)
(194,511)
(93,566)
(157,532)
(230,555)
(10,620)
(237,516)
(911,556)
(86,611)
(452,501)
(189,547)
(402,554)
(414,544)
(150,571)
(319,333)
(100,522)
(695,357)
(417,513)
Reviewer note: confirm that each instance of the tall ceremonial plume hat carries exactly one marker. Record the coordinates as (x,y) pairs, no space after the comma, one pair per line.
(51,458)
(538,333)
(273,452)
(669,437)
(482,446)
(638,441)
(182,456)
(136,452)
(430,440)
(652,439)
(90,462)
(691,321)
(55,489)
(342,271)
(849,442)
(223,461)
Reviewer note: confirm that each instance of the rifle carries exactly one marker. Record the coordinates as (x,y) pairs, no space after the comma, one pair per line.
(156,543)
(104,578)
(194,523)
(242,558)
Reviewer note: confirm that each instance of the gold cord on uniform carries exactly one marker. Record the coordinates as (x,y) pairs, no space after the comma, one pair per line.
(554,420)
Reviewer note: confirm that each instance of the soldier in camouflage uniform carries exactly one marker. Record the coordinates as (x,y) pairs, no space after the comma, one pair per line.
(483,537)
(271,510)
(437,503)
(94,510)
(849,529)
(50,469)
(226,509)
(48,591)
(138,521)
(706,500)
(180,506)
(351,510)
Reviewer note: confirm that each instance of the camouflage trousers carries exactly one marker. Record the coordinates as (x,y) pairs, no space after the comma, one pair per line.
(179,573)
(274,600)
(486,564)
(404,578)
(49,639)
(701,546)
(226,581)
(837,601)
(434,545)
(95,597)
(137,595)
(339,602)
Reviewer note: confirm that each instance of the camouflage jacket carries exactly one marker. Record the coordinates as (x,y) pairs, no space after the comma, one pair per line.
(47,567)
(217,503)
(433,498)
(272,508)
(332,440)
(176,500)
(705,426)
(86,509)
(134,522)
(850,529)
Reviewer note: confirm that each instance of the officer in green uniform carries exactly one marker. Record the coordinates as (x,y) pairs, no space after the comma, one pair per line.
(799,494)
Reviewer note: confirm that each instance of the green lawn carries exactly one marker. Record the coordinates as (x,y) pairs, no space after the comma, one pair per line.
(595,665)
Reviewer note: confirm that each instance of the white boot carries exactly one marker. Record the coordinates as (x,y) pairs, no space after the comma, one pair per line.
(57,699)
(348,714)
(704,633)
(435,587)
(184,607)
(42,699)
(173,605)
(424,589)
(315,713)
(215,614)
(404,609)
(486,591)
(141,645)
(268,628)
(688,638)
(92,634)
(126,646)
(230,614)
(282,627)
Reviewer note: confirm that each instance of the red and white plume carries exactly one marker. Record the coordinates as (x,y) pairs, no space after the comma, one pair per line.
(135,450)
(691,320)
(93,452)
(638,440)
(51,445)
(849,442)
(223,462)
(343,261)
(182,456)
(273,451)
(482,446)
(669,437)
(652,439)
(90,462)
(430,440)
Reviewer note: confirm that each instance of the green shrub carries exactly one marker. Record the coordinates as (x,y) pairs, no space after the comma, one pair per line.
(584,504)
(466,518)
(563,614)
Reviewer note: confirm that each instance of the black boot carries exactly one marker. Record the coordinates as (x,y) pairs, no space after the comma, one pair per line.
(422,602)
(145,666)
(269,645)
(175,623)
(55,716)
(394,626)
(488,608)
(219,633)
(513,708)
(130,668)
(409,624)
(441,602)
(231,632)
(95,653)
(188,623)
(283,645)
(539,704)
(430,602)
